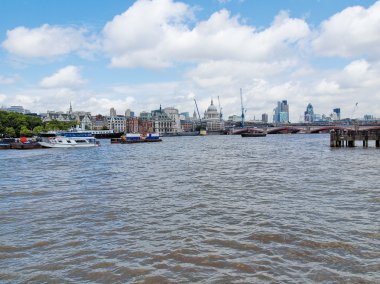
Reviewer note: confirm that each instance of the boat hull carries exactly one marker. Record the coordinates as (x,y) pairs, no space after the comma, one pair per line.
(120,141)
(56,145)
(24,146)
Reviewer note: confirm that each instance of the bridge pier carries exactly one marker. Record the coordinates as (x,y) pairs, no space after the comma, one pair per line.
(365,143)
(351,143)
(341,138)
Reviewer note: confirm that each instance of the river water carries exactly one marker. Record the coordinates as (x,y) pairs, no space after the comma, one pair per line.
(216,209)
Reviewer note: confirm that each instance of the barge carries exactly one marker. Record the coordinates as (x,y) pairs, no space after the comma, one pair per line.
(131,138)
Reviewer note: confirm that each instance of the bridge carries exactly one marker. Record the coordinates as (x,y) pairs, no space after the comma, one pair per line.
(291,129)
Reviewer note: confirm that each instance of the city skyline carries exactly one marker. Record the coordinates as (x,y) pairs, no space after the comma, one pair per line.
(103,55)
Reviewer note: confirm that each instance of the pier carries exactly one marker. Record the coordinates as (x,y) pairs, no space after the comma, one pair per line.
(348,137)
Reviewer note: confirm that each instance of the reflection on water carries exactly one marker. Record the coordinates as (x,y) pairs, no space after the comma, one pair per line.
(283,208)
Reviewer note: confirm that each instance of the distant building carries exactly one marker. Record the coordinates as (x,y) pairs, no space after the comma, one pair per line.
(112,112)
(213,119)
(145,126)
(174,115)
(368,117)
(116,123)
(195,116)
(145,115)
(132,124)
(184,116)
(337,113)
(18,109)
(187,122)
(309,114)
(80,118)
(234,118)
(281,112)
(264,117)
(99,122)
(163,123)
(129,113)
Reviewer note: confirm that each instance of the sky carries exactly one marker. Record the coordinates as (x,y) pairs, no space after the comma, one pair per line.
(139,55)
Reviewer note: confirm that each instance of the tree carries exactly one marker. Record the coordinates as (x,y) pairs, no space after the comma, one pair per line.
(25,132)
(38,129)
(10,132)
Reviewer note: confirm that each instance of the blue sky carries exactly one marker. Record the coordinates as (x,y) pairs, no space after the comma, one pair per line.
(138,55)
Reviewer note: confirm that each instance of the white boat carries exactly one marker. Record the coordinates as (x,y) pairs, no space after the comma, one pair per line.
(68,140)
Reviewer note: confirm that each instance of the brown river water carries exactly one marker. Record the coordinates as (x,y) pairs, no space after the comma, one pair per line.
(216,209)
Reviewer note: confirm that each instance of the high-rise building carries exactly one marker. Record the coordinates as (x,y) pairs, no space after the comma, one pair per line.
(337,112)
(281,112)
(264,117)
(309,113)
(112,112)
(129,113)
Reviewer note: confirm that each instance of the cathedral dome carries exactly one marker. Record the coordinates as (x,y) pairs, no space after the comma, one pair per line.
(211,112)
(212,108)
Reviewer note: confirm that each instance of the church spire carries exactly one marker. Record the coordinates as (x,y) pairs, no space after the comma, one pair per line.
(71,109)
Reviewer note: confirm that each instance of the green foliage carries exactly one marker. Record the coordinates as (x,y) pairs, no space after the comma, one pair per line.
(38,129)
(17,121)
(15,125)
(59,125)
(9,132)
(24,131)
(104,127)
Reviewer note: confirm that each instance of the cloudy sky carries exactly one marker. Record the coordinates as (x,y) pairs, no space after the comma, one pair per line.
(140,54)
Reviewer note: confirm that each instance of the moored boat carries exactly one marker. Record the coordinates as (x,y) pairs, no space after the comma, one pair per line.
(5,143)
(68,140)
(131,138)
(25,145)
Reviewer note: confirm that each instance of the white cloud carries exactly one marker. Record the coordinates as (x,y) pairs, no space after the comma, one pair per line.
(221,54)
(359,74)
(7,80)
(45,41)
(327,87)
(132,37)
(166,36)
(355,31)
(224,73)
(67,77)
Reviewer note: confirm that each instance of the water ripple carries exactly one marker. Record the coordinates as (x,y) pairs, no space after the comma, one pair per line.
(217,209)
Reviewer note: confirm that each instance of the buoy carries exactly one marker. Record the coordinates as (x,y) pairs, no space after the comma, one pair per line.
(23,139)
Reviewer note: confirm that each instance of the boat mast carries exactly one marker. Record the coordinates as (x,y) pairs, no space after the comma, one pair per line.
(242,108)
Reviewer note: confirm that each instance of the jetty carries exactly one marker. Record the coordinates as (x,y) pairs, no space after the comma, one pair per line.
(348,137)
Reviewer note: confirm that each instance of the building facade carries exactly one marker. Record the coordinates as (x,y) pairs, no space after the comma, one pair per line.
(281,112)
(309,114)
(163,123)
(212,118)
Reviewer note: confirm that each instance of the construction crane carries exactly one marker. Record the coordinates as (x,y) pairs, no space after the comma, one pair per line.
(220,110)
(200,120)
(242,108)
(353,112)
